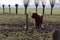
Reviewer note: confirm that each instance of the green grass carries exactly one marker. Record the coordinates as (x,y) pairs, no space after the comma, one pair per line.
(52,18)
(30,10)
(12,19)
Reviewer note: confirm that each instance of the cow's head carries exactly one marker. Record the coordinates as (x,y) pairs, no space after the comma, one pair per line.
(34,15)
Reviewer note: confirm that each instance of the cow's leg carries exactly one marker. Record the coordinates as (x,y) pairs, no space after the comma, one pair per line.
(38,27)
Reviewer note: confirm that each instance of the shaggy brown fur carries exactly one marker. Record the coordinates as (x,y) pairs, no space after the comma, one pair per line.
(38,19)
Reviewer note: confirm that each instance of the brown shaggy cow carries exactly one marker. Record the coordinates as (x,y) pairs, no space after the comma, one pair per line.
(38,19)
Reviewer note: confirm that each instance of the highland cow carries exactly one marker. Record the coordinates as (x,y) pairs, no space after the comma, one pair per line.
(38,19)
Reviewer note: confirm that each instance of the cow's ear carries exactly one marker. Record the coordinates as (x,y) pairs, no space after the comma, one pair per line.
(35,13)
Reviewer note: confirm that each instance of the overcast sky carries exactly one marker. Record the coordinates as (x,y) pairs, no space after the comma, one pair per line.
(20,2)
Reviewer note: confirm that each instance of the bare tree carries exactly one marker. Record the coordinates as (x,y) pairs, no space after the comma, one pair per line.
(9,8)
(52,2)
(16,5)
(3,8)
(36,4)
(43,5)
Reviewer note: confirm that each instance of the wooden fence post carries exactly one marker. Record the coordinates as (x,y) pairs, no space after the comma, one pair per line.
(26,15)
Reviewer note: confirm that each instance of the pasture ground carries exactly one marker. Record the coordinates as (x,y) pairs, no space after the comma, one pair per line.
(12,21)
(7,22)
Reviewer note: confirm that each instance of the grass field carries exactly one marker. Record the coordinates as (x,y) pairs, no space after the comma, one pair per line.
(9,18)
(12,19)
(20,19)
(29,10)
(30,35)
